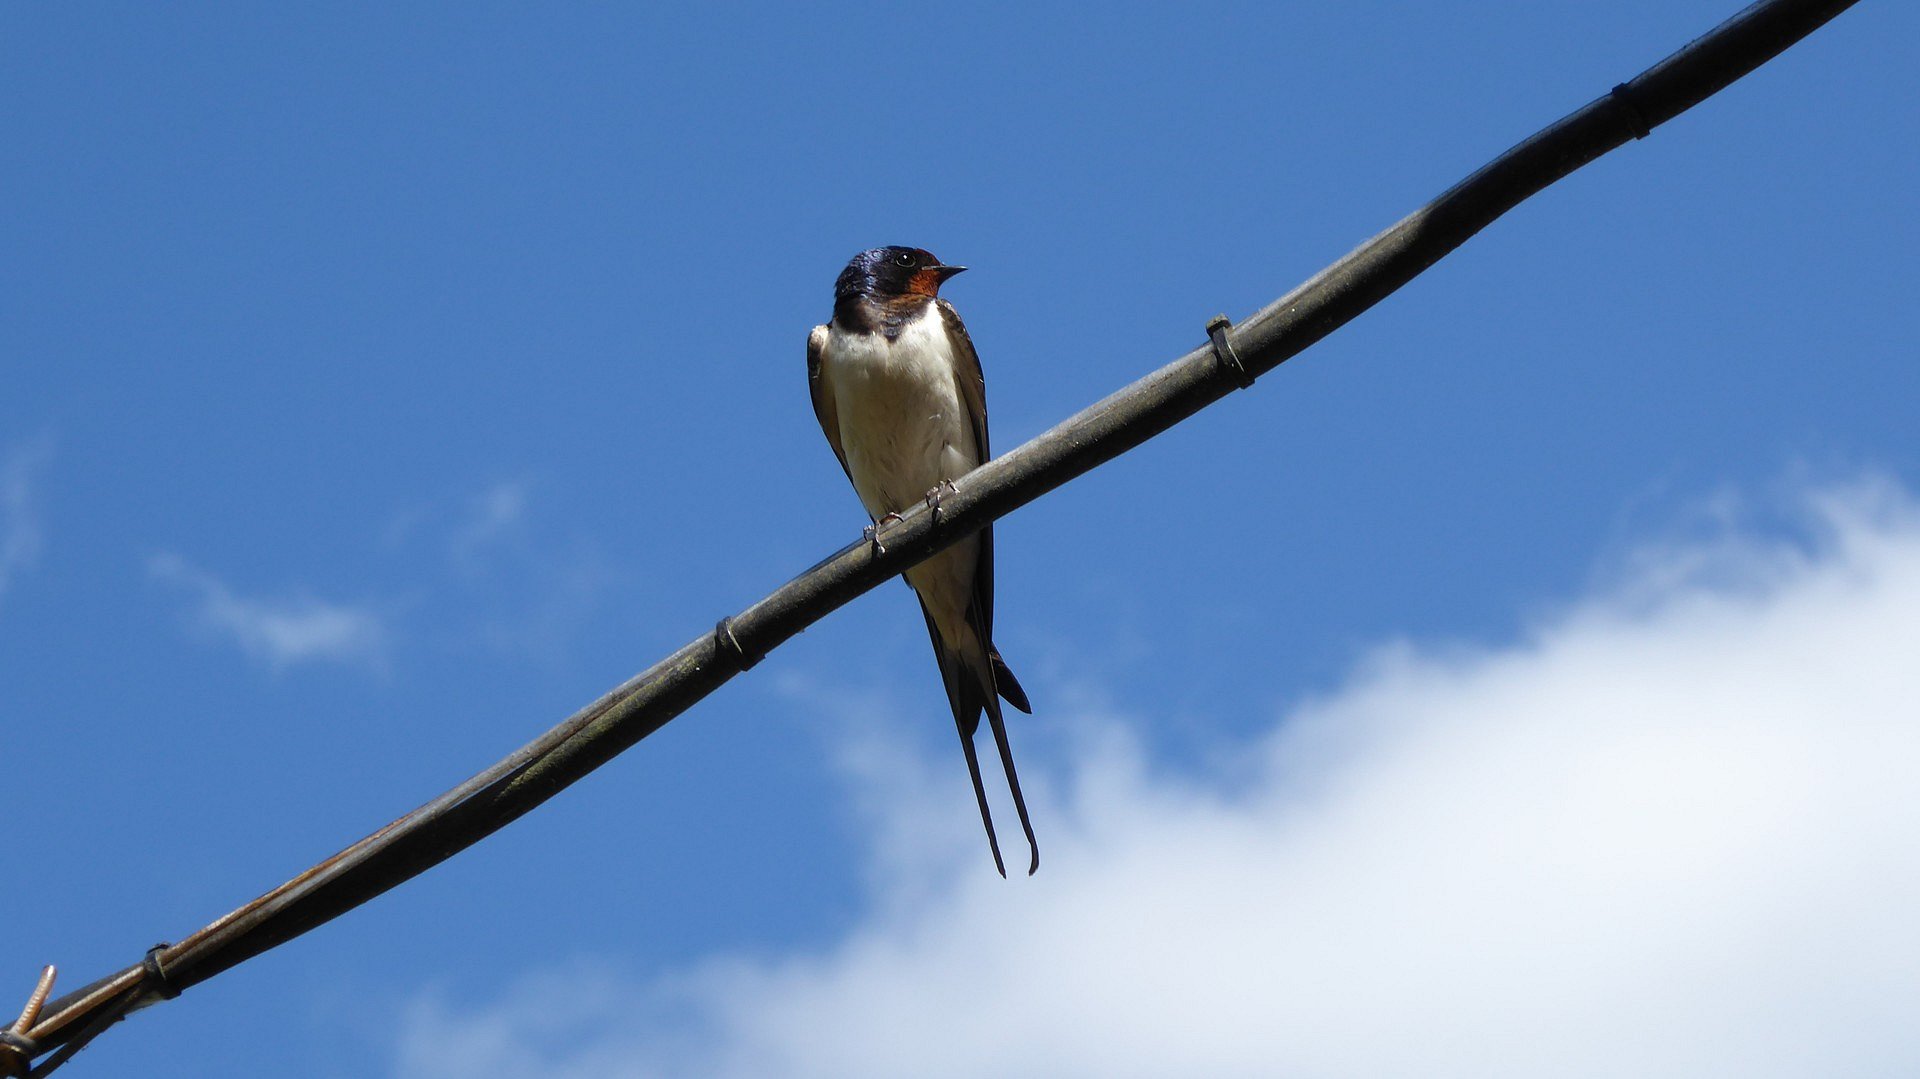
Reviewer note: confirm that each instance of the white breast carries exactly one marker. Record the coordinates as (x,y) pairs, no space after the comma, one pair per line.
(903,428)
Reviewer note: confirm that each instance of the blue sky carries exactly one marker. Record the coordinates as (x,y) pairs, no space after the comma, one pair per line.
(379,383)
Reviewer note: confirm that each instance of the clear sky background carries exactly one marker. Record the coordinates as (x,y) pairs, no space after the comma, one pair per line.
(1521,682)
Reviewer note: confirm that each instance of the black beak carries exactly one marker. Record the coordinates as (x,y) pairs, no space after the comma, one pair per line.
(946,271)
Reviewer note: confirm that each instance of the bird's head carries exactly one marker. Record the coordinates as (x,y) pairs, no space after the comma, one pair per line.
(886,272)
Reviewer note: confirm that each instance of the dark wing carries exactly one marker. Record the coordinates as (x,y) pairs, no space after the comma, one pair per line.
(973,397)
(823,407)
(973,384)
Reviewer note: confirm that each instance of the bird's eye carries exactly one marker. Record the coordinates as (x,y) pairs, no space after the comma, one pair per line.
(905,258)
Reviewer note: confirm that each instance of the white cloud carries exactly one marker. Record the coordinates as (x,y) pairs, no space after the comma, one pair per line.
(512,583)
(279,631)
(1675,832)
(20,528)
(485,519)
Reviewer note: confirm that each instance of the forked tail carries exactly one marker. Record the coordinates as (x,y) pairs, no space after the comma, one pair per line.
(974,684)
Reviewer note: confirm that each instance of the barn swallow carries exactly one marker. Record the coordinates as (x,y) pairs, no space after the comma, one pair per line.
(897,388)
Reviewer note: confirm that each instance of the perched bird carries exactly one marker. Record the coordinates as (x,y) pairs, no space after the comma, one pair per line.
(898,391)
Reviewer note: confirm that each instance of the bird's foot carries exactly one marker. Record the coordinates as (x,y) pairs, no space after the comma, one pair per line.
(938,495)
(872,531)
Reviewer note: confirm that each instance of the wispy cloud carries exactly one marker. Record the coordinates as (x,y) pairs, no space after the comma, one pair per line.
(1669,834)
(502,578)
(21,533)
(488,517)
(279,631)
(523,587)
